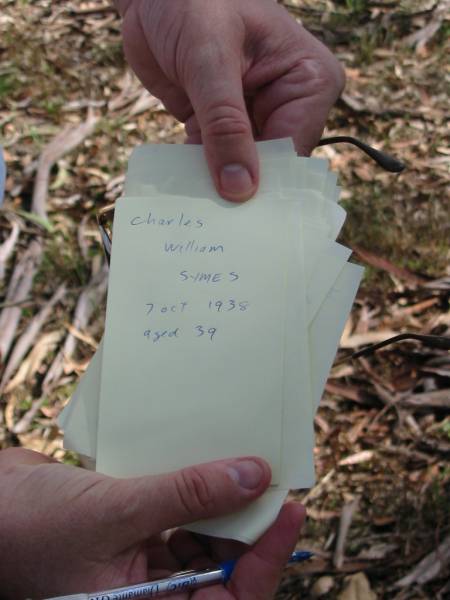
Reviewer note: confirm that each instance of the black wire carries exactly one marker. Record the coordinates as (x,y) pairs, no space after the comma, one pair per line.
(386,161)
(433,341)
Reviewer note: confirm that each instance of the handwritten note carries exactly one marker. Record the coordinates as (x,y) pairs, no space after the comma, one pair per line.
(198,306)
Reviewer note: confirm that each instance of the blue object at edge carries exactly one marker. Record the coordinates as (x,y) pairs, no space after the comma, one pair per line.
(227,568)
(296,557)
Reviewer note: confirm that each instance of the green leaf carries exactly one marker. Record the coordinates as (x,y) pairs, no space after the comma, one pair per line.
(36,219)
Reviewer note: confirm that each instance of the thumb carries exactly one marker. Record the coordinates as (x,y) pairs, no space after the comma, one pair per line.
(156,503)
(216,95)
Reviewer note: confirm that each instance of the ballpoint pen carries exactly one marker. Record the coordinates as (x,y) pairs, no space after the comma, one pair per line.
(183,581)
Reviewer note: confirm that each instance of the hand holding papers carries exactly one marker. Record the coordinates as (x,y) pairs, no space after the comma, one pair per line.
(222,323)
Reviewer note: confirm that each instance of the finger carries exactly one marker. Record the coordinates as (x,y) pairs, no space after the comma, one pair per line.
(193,133)
(141,59)
(194,139)
(20,456)
(221,549)
(258,572)
(148,505)
(122,6)
(160,555)
(191,126)
(215,91)
(297,103)
(217,592)
(185,546)
(303,119)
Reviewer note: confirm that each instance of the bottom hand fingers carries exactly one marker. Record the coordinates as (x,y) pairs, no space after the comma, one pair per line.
(186,547)
(258,572)
(221,549)
(20,456)
(195,139)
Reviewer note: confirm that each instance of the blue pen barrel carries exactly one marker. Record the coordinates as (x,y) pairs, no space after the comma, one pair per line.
(181,582)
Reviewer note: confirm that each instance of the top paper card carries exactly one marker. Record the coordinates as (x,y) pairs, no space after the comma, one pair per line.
(196,310)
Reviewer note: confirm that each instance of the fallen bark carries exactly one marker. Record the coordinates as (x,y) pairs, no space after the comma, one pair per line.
(18,290)
(28,337)
(429,567)
(7,248)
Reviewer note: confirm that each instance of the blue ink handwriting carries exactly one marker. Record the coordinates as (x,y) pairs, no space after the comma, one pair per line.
(155,336)
(180,220)
(200,277)
(228,305)
(201,331)
(165,308)
(192,247)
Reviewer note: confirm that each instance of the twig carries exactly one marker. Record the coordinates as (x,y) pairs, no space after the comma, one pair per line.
(344,525)
(348,392)
(23,425)
(413,455)
(7,248)
(61,144)
(23,303)
(357,458)
(420,38)
(86,304)
(436,399)
(45,345)
(317,489)
(429,567)
(379,262)
(82,244)
(27,338)
(373,375)
(100,10)
(18,290)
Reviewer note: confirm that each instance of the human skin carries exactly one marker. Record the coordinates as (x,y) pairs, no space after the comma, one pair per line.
(67,530)
(234,71)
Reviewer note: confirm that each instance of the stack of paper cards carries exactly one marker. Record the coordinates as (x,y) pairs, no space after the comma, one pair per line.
(222,323)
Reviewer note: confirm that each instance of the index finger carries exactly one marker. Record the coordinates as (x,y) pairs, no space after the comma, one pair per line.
(258,571)
(297,102)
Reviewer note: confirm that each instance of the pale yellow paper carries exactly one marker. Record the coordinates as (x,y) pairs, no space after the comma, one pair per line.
(79,419)
(327,267)
(297,450)
(195,394)
(182,169)
(297,468)
(246,525)
(328,324)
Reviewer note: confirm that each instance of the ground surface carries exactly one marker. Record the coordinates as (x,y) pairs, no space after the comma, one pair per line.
(383,431)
